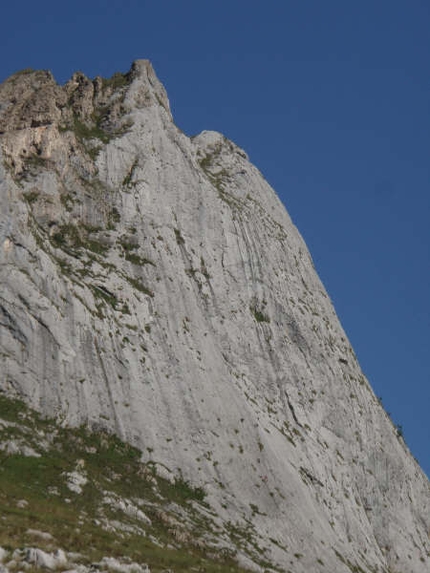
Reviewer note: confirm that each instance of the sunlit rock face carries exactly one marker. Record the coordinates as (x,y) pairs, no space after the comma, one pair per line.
(154,285)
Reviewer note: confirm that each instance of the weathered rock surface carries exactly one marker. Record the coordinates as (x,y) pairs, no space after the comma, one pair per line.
(58,560)
(154,285)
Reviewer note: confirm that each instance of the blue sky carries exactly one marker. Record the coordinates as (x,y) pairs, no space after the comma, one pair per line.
(331,101)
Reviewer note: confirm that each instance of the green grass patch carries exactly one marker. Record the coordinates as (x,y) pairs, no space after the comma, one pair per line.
(137,284)
(31,196)
(76,237)
(179,238)
(83,131)
(259,315)
(118,80)
(73,519)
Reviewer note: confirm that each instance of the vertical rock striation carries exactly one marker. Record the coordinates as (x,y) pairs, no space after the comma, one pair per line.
(153,285)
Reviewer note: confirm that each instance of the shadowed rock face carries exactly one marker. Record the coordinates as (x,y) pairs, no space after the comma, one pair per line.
(154,285)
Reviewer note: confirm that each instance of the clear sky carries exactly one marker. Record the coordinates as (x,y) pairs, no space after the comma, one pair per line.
(331,100)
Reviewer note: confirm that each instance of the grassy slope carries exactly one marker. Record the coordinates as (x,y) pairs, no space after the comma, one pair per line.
(78,522)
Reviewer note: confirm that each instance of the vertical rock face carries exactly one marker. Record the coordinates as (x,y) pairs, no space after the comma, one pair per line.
(154,285)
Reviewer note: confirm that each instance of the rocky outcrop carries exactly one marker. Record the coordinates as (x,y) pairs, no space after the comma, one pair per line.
(58,560)
(153,285)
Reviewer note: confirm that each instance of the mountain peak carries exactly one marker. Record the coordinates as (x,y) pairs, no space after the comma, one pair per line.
(145,88)
(153,286)
(35,111)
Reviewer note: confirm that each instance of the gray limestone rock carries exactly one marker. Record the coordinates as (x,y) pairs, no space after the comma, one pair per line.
(41,559)
(114,565)
(75,481)
(153,285)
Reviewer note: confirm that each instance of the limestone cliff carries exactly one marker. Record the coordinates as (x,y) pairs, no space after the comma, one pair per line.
(153,285)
